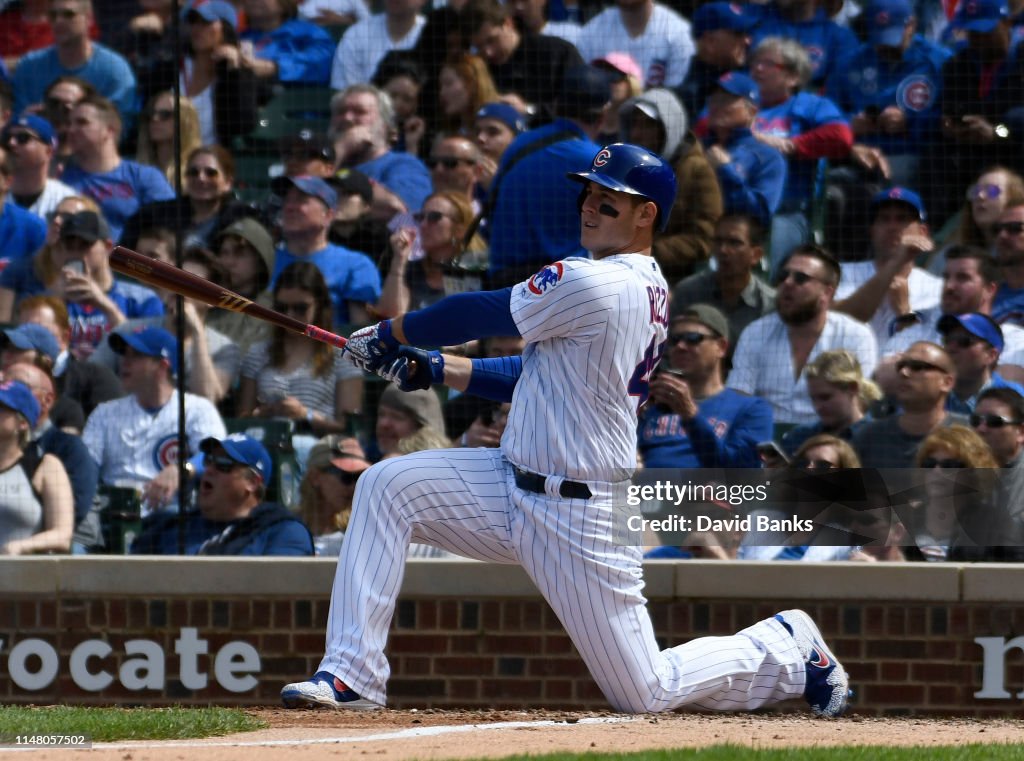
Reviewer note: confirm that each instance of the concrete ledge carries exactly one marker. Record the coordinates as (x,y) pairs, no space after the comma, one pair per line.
(29,576)
(1002,582)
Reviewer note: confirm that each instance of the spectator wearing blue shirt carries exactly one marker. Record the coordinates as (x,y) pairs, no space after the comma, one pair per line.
(117,185)
(362,121)
(804,127)
(285,48)
(352,278)
(693,420)
(22,233)
(890,87)
(974,342)
(721,31)
(752,175)
(232,518)
(73,53)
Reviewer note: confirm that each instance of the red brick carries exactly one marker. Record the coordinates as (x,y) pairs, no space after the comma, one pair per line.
(418,665)
(512,644)
(547,667)
(941,650)
(917,621)
(895,671)
(893,694)
(117,616)
(260,614)
(721,619)
(321,612)
(274,643)
(416,643)
(308,643)
(178,614)
(555,644)
(490,615)
(46,611)
(511,616)
(897,623)
(511,688)
(958,621)
(861,671)
(464,665)
(137,615)
(464,643)
(464,689)
(533,615)
(944,696)
(679,620)
(27,615)
(939,673)
(587,690)
(239,614)
(426,615)
(558,689)
(97,615)
(282,614)
(448,614)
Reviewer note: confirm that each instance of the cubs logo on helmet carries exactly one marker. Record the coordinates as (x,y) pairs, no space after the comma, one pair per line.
(546,279)
(602,157)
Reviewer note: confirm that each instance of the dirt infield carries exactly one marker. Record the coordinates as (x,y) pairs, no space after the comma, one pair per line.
(434,734)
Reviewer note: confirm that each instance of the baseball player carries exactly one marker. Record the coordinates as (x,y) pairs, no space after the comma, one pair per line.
(594,331)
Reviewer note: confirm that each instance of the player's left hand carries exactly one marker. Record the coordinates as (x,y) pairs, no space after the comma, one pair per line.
(414,369)
(373,347)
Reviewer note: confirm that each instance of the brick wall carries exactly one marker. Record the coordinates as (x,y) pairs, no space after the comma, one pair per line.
(454,643)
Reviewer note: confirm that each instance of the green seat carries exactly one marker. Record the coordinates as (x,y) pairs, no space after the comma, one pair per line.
(120,511)
(252,174)
(276,436)
(290,110)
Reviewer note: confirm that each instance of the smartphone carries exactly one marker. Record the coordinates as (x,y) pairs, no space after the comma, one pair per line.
(75,265)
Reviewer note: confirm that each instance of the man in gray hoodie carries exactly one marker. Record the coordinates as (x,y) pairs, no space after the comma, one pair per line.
(657,121)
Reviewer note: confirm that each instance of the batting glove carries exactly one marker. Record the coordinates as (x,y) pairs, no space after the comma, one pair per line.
(373,347)
(415,369)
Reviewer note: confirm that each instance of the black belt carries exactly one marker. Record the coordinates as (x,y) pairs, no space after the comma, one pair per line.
(534,482)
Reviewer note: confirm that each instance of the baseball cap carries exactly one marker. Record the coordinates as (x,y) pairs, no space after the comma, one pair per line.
(17,396)
(887,21)
(308,184)
(312,144)
(710,17)
(740,84)
(87,225)
(33,336)
(244,450)
(899,195)
(620,63)
(37,125)
(706,315)
(586,87)
(213,10)
(505,114)
(151,341)
(423,405)
(352,182)
(256,235)
(977,324)
(348,455)
(981,15)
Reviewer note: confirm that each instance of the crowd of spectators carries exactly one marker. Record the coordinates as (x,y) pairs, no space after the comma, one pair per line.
(845,255)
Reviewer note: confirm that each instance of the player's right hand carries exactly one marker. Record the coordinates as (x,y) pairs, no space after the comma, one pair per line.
(373,347)
(415,369)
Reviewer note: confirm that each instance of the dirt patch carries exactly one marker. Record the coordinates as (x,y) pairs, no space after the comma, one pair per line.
(441,734)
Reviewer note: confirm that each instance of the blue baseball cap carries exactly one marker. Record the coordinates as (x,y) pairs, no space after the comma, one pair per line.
(740,84)
(244,450)
(152,341)
(899,195)
(33,336)
(505,114)
(887,21)
(214,10)
(308,184)
(720,15)
(37,125)
(981,15)
(977,324)
(17,396)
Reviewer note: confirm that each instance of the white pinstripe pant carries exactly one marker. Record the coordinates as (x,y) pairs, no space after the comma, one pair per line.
(466,501)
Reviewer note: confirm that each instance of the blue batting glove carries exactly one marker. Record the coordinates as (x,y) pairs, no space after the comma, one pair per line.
(373,347)
(415,369)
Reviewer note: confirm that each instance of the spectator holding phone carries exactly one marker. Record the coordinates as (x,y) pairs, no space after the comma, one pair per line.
(692,420)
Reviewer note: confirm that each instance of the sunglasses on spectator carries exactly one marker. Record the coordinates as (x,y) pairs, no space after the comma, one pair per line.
(986,191)
(917,366)
(162,114)
(928,463)
(209,172)
(816,465)
(56,104)
(58,217)
(300,308)
(62,13)
(222,463)
(991,421)
(343,475)
(21,138)
(689,337)
(960,340)
(800,278)
(433,217)
(448,162)
(1010,228)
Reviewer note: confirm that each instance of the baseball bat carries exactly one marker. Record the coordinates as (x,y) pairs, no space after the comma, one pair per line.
(161,275)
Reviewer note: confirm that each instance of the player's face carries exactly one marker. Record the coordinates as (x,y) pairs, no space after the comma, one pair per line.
(731,248)
(493,136)
(963,288)
(696,360)
(1004,440)
(834,404)
(613,222)
(893,221)
(224,487)
(392,426)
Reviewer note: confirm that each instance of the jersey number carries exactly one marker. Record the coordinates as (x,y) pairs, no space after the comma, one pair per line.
(640,381)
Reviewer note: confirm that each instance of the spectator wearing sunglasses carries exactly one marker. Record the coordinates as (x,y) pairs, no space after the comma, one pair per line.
(61,97)
(233,518)
(774,350)
(155,146)
(325,494)
(455,168)
(693,420)
(998,418)
(30,143)
(974,342)
(1009,230)
(21,232)
(925,375)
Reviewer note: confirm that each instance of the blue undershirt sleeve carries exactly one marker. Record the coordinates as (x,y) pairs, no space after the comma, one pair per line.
(495,378)
(461,317)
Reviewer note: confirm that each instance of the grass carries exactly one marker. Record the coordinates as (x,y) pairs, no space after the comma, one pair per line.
(740,753)
(108,724)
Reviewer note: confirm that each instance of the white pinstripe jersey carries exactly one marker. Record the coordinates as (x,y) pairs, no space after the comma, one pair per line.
(594,332)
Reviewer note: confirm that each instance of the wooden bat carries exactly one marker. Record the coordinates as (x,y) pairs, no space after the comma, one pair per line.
(161,275)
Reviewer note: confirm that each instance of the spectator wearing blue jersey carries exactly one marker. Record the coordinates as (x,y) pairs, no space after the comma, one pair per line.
(352,278)
(805,21)
(693,420)
(73,53)
(97,171)
(285,48)
(802,126)
(752,175)
(21,232)
(721,31)
(890,87)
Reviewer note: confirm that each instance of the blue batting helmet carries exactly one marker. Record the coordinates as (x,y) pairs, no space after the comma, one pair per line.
(631,169)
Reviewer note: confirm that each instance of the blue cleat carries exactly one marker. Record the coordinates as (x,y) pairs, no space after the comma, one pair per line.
(828,685)
(324,690)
